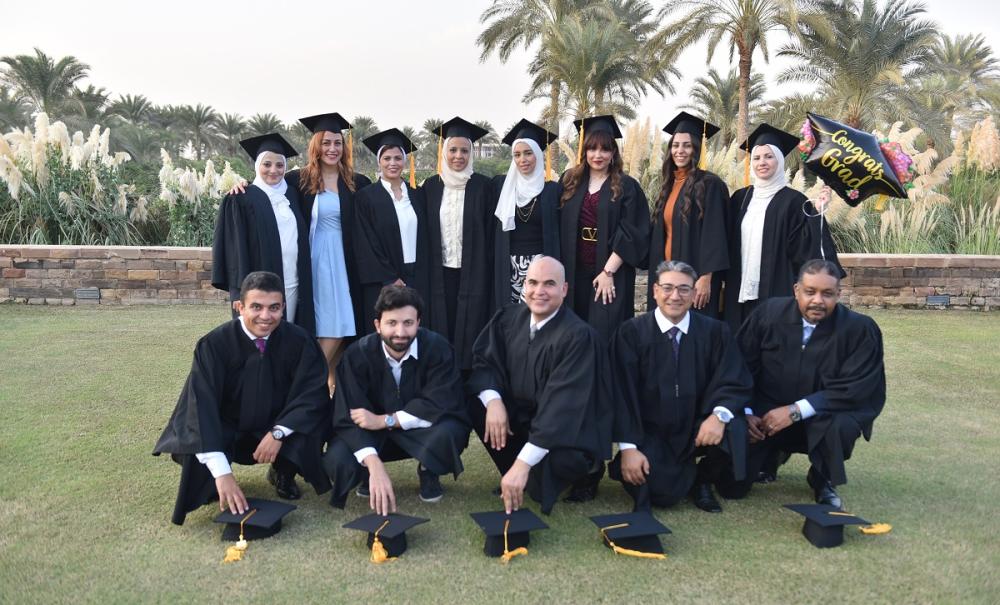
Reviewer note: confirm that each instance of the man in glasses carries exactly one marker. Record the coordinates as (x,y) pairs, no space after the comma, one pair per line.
(681,385)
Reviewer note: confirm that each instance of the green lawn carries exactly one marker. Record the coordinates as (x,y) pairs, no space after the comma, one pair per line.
(84,507)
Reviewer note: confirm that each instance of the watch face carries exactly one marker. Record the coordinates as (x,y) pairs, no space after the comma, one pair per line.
(277,434)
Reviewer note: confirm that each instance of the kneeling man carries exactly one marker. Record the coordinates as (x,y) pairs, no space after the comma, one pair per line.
(399,395)
(256,393)
(819,380)
(681,386)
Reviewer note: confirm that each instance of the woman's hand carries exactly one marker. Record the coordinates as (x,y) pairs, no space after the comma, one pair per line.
(702,291)
(240,187)
(604,288)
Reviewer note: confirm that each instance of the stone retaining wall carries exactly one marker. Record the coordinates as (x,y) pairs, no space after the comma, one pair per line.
(67,275)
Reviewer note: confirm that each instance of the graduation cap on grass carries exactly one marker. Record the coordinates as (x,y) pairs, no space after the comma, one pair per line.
(386,534)
(634,534)
(272,142)
(529,130)
(508,535)
(261,520)
(824,526)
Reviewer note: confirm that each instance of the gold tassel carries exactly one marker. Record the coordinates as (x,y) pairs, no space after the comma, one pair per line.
(440,146)
(548,159)
(703,155)
(350,149)
(235,553)
(876,529)
(510,554)
(746,170)
(628,551)
(379,554)
(880,202)
(579,146)
(413,170)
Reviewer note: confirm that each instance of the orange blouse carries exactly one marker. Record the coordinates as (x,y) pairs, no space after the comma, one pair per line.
(680,175)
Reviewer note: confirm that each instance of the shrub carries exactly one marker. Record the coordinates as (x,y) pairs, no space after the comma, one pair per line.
(192,200)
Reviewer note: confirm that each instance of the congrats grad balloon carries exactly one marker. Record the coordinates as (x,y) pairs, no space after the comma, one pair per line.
(850,161)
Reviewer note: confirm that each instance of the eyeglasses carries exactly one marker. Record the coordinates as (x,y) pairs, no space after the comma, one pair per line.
(669,289)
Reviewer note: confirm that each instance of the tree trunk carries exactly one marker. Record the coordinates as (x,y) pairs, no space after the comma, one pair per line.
(746,57)
(553,124)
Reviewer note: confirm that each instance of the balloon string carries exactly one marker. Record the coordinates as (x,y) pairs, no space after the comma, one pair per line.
(821,213)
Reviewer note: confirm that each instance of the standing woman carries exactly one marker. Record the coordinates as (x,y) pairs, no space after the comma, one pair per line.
(460,233)
(604,227)
(689,220)
(392,244)
(327,186)
(527,212)
(775,229)
(262,230)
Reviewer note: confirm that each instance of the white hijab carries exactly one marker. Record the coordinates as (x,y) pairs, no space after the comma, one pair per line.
(752,227)
(276,193)
(450,178)
(518,189)
(766,188)
(378,157)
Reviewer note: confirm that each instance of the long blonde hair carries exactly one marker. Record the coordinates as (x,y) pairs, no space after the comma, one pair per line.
(312,175)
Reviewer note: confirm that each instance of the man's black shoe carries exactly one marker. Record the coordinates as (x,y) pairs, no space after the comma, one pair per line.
(284,484)
(362,489)
(585,489)
(704,499)
(769,470)
(823,490)
(430,485)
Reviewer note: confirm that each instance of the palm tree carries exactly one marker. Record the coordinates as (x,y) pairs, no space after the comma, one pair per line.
(201,123)
(959,69)
(85,107)
(264,123)
(232,128)
(521,23)
(139,142)
(362,127)
(863,61)
(134,109)
(13,110)
(165,120)
(490,138)
(744,24)
(717,98)
(788,112)
(45,83)
(298,136)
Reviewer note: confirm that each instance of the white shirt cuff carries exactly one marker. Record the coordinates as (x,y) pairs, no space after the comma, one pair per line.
(363,453)
(409,421)
(216,462)
(624,445)
(748,411)
(531,454)
(488,395)
(284,429)
(724,412)
(805,408)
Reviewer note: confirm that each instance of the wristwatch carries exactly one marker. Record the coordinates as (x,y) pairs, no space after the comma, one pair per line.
(277,433)
(390,421)
(794,412)
(609,273)
(724,416)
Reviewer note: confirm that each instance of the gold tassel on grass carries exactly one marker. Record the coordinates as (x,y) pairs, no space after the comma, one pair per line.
(510,554)
(876,529)
(628,551)
(379,554)
(235,553)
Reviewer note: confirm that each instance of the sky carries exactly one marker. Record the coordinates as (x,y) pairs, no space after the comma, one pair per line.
(398,61)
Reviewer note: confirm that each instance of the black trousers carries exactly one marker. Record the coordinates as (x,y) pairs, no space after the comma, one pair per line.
(827,438)
(452,282)
(438,448)
(559,469)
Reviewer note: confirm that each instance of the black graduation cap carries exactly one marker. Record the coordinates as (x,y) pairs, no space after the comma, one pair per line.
(272,142)
(529,130)
(596,123)
(329,122)
(765,134)
(391,530)
(393,137)
(261,520)
(637,531)
(824,526)
(693,125)
(457,127)
(495,525)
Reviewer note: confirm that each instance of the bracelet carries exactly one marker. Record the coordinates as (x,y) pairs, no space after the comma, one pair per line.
(609,273)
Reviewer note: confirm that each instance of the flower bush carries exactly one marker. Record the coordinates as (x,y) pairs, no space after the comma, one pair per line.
(193,200)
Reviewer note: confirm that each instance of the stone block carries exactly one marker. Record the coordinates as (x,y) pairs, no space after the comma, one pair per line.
(20,263)
(35,251)
(36,301)
(59,273)
(142,274)
(89,263)
(144,294)
(167,293)
(58,264)
(141,264)
(127,252)
(154,252)
(131,284)
(116,273)
(180,253)
(64,252)
(167,275)
(164,265)
(12,273)
(5,262)
(196,265)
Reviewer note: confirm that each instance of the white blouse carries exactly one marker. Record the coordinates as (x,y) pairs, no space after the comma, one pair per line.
(407,218)
(452,217)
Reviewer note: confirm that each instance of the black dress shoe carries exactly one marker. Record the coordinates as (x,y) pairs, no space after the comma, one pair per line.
(284,484)
(581,493)
(823,490)
(704,499)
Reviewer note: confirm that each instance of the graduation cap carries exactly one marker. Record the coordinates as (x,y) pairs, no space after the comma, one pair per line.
(272,142)
(386,534)
(765,134)
(394,137)
(261,520)
(634,534)
(694,126)
(529,130)
(508,535)
(595,124)
(328,122)
(824,526)
(458,127)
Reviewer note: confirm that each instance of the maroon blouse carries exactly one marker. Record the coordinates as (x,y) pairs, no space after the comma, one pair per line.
(586,243)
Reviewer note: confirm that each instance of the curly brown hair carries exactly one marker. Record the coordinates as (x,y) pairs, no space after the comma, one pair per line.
(693,194)
(603,140)
(312,174)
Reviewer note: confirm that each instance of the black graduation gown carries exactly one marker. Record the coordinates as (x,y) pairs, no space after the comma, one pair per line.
(555,390)
(699,242)
(472,310)
(622,227)
(661,405)
(790,239)
(548,205)
(247,240)
(234,391)
(840,372)
(379,248)
(349,222)
(430,388)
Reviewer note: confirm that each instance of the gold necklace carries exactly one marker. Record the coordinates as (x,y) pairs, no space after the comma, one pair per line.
(522,214)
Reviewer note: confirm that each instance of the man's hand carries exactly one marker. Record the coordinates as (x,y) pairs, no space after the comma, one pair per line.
(635,466)
(230,495)
(497,426)
(710,432)
(755,426)
(702,291)
(267,450)
(777,420)
(512,486)
(382,499)
(368,420)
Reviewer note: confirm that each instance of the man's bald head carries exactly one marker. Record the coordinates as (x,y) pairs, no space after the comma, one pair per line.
(545,286)
(548,266)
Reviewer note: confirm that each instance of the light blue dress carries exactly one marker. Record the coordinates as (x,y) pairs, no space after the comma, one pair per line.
(331,294)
